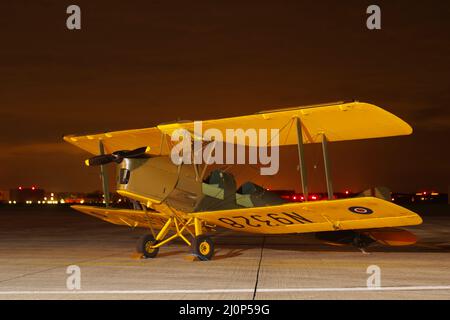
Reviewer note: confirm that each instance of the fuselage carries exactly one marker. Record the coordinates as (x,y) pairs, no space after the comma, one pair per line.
(155,180)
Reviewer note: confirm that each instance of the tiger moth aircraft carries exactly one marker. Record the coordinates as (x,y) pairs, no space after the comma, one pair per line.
(177,200)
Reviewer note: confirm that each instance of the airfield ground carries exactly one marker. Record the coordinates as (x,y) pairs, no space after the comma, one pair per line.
(37,244)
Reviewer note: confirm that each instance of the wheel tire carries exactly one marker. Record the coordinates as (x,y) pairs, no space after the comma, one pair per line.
(203,248)
(362,241)
(143,246)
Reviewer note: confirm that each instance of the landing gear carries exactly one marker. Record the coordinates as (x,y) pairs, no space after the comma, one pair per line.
(145,245)
(203,247)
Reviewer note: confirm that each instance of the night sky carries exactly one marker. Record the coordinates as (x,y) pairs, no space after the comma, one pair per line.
(139,63)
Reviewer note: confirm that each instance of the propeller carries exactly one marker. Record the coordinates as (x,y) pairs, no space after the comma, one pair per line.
(116,156)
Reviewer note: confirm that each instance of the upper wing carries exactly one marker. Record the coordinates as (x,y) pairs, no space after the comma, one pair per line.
(339,121)
(125,217)
(346,214)
(121,140)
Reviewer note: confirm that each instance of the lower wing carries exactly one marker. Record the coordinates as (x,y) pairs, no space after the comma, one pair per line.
(335,215)
(126,217)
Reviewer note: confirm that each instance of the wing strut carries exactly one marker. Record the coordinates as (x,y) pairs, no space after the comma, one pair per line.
(104,175)
(208,159)
(326,161)
(301,158)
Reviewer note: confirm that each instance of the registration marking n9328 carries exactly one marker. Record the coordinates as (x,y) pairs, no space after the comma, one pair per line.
(270,220)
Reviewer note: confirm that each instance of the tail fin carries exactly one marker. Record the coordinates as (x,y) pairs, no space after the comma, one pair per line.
(378,192)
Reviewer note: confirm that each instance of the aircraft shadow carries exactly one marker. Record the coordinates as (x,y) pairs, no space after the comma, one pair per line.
(231,253)
(311,245)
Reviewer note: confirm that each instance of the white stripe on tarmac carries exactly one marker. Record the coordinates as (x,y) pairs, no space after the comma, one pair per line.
(218,291)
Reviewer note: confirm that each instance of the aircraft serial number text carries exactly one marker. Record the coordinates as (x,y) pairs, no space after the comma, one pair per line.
(270,220)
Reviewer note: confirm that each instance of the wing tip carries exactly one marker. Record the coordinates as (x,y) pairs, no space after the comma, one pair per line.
(404,128)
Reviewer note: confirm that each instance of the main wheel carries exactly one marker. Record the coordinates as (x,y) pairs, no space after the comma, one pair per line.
(144,246)
(361,241)
(203,247)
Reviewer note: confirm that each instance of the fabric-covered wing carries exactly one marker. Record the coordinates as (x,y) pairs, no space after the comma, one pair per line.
(346,214)
(340,121)
(121,140)
(125,217)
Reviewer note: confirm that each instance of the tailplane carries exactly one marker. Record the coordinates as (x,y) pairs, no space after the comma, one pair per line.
(377,192)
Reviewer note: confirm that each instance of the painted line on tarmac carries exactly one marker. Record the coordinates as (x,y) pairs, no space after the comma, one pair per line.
(210,291)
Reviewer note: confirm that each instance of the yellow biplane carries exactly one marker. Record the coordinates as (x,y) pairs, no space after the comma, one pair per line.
(180,201)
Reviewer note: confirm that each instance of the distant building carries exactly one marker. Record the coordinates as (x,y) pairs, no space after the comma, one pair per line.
(26,195)
(4,196)
(430,197)
(80,197)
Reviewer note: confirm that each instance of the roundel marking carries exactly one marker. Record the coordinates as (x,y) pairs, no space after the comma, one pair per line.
(360,210)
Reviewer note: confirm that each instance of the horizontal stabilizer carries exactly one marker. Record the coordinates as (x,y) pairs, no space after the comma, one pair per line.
(393,237)
(377,192)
